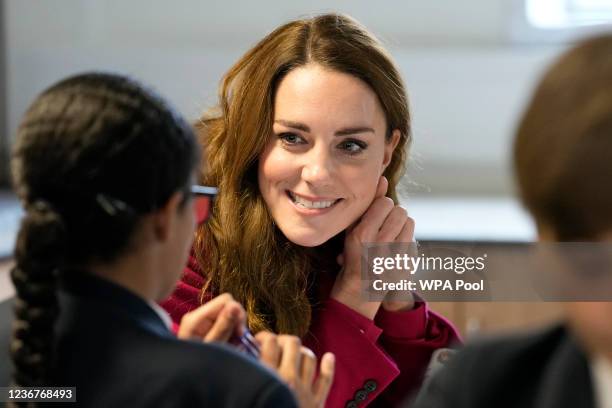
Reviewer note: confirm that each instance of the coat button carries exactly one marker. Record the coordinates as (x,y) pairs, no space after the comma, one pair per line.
(370,386)
(361,395)
(351,404)
(444,355)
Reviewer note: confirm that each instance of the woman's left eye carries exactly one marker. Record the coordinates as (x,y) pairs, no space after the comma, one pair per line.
(353,146)
(291,139)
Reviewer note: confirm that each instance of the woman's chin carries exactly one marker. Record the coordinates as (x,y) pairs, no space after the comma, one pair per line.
(309,240)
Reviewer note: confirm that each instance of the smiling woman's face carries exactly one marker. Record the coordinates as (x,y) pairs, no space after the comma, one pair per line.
(319,172)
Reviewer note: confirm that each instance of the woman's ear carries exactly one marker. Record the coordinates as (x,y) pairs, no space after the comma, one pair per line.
(390,146)
(166,216)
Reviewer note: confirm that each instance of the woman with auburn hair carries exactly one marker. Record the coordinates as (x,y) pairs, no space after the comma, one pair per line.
(307,147)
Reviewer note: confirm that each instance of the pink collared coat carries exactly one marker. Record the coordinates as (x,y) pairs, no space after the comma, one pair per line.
(378,363)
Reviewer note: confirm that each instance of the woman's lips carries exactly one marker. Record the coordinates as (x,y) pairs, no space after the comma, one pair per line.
(312,205)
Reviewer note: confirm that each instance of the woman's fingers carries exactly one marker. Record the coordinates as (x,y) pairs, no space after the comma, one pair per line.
(393,225)
(296,365)
(291,357)
(369,224)
(407,233)
(373,219)
(269,350)
(366,227)
(382,187)
(197,323)
(325,379)
(229,322)
(308,366)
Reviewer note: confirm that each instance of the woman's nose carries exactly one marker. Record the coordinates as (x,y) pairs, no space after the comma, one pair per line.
(317,168)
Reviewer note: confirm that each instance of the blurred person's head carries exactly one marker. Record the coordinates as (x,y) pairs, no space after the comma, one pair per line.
(103,168)
(563,164)
(308,121)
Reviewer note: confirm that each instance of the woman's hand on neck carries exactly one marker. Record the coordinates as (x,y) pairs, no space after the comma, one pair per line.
(383,222)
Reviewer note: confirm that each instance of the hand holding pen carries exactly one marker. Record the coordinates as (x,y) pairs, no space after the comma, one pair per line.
(220,320)
(223,319)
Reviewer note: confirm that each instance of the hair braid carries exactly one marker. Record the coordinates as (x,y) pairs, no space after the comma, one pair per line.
(39,252)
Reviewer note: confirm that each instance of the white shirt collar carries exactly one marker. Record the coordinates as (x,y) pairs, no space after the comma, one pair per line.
(162,314)
(601,369)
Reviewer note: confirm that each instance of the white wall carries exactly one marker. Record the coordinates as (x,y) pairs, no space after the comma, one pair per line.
(467,83)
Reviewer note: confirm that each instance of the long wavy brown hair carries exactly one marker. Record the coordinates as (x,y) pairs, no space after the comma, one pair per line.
(240,249)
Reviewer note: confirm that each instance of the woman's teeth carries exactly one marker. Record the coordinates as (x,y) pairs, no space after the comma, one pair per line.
(310,204)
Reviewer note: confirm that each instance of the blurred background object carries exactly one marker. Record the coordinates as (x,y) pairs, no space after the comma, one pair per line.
(4,132)
(469,67)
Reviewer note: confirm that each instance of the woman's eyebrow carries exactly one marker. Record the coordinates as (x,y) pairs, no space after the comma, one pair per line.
(294,125)
(354,130)
(342,132)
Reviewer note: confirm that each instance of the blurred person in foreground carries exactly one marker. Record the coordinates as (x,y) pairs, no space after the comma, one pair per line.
(563,164)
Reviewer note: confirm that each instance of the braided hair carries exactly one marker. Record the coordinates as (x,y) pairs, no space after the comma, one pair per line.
(93,154)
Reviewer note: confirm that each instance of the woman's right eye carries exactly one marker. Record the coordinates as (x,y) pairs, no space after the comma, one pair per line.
(291,139)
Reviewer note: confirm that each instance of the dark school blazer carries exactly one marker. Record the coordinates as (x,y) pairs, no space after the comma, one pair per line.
(117,352)
(543,370)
